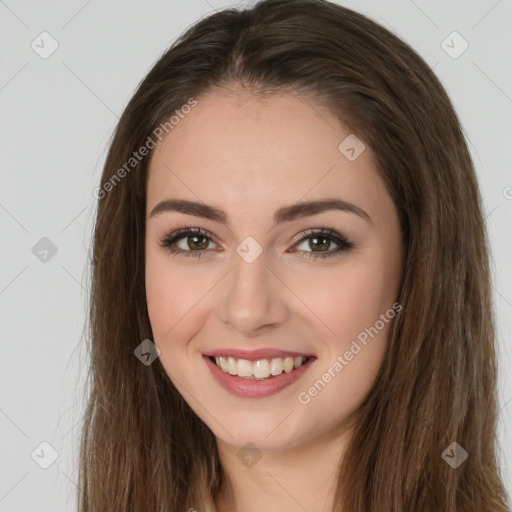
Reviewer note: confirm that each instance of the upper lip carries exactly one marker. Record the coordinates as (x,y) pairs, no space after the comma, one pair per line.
(255,355)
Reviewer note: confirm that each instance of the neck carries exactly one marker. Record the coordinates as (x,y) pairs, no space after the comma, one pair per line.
(296,479)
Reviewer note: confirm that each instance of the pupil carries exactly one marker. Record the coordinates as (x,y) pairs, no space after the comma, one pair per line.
(325,245)
(194,245)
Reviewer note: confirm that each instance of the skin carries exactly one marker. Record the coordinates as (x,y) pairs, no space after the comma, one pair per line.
(249,157)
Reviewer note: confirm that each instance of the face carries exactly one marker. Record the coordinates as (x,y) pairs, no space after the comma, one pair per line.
(263,279)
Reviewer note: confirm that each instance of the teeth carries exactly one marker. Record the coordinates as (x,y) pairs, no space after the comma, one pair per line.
(261,369)
(244,368)
(276,366)
(288,364)
(232,366)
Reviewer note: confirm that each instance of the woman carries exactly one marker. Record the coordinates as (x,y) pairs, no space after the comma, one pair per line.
(291,302)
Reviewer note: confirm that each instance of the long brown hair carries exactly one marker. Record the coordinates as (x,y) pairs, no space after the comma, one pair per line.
(142,447)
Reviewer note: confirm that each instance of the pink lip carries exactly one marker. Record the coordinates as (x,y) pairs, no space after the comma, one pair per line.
(247,388)
(255,355)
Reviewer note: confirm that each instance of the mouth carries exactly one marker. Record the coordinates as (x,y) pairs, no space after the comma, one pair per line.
(257,377)
(260,369)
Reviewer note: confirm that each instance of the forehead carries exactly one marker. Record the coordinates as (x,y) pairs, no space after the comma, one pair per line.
(238,147)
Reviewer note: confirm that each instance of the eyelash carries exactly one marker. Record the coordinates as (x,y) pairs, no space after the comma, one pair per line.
(342,242)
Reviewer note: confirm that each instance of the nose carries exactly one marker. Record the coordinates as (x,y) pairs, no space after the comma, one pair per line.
(255,298)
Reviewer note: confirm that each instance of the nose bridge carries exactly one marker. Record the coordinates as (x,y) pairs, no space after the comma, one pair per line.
(254,296)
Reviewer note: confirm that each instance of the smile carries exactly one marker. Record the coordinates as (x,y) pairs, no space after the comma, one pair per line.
(258,378)
(260,369)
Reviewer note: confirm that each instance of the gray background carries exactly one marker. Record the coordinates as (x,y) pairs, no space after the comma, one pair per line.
(57,116)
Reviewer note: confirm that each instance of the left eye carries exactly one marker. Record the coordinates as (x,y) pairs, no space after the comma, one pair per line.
(197,240)
(320,242)
(322,239)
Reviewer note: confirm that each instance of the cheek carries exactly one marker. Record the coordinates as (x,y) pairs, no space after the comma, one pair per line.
(347,299)
(167,305)
(352,306)
(168,295)
(177,302)
(168,292)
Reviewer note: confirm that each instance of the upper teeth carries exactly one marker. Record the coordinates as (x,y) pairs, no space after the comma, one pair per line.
(261,369)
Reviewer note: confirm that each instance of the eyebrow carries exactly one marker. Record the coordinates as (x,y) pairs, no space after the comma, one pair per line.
(284,214)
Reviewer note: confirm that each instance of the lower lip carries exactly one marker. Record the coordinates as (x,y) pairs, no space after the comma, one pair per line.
(248,388)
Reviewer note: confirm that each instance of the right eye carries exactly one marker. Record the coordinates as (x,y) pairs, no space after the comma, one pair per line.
(200,240)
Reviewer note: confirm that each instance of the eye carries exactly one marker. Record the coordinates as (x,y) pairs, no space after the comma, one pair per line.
(197,240)
(322,239)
